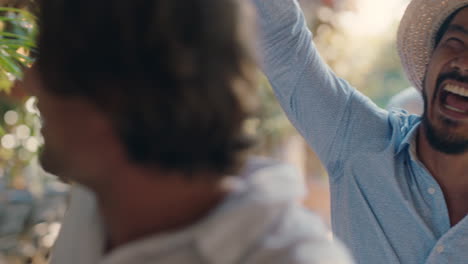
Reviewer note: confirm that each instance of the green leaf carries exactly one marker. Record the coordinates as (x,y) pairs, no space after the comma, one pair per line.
(5,84)
(11,47)
(24,13)
(16,36)
(9,66)
(10,19)
(11,42)
(2,131)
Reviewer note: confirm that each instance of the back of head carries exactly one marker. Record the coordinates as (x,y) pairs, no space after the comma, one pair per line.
(173,76)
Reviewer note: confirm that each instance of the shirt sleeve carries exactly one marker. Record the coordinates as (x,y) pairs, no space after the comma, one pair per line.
(315,100)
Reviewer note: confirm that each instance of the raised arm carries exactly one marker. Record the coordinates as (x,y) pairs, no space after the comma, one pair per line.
(316,101)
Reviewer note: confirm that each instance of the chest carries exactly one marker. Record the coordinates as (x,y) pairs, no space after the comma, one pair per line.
(457,204)
(394,208)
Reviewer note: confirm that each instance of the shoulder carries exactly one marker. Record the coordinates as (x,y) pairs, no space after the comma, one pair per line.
(300,237)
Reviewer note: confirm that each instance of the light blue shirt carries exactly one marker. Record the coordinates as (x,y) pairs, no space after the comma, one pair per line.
(386,206)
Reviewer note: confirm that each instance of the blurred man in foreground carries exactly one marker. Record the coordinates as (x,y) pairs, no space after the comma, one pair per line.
(399,182)
(144,103)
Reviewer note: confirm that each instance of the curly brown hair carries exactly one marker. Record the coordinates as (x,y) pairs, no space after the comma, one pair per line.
(173,76)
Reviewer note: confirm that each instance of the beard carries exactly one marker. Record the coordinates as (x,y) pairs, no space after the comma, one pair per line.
(443,142)
(439,137)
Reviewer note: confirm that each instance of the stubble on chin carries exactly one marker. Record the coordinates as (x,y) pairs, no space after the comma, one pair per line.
(439,134)
(441,138)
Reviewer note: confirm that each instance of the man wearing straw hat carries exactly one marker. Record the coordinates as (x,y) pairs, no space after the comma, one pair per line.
(399,182)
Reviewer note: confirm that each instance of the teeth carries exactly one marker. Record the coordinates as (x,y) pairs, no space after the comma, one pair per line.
(454,109)
(456,90)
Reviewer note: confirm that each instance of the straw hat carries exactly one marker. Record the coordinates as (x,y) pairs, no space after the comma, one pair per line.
(417,32)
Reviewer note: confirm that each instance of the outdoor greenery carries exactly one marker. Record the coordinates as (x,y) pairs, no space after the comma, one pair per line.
(17,35)
(30,205)
(19,137)
(17,44)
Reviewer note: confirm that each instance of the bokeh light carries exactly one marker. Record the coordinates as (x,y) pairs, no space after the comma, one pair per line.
(22,131)
(11,117)
(8,141)
(31,144)
(372,17)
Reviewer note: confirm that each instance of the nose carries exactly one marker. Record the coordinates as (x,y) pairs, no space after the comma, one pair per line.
(460,64)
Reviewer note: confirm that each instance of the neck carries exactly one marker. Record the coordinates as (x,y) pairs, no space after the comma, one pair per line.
(450,171)
(134,206)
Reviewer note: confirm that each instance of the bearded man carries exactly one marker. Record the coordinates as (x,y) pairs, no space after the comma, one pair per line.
(399,182)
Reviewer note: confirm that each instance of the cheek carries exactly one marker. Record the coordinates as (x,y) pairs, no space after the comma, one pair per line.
(58,127)
(430,80)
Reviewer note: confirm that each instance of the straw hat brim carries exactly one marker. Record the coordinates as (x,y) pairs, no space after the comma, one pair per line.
(417,32)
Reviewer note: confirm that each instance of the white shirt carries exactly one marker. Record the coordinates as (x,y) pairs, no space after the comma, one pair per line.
(260,221)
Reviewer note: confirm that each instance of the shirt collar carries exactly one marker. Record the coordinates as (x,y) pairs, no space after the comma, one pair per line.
(234,229)
(259,202)
(409,140)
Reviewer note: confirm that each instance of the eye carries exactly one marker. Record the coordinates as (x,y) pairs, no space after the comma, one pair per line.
(455,44)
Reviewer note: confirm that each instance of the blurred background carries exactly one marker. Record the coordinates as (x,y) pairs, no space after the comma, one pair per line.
(355,37)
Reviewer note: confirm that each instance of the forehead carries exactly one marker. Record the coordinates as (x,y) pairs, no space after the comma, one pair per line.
(461,18)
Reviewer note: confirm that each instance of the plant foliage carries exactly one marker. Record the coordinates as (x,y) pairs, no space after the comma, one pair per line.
(17,44)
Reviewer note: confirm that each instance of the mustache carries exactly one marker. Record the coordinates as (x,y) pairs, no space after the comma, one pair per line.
(454,75)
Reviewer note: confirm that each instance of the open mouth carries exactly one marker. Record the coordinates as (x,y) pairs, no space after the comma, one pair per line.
(454,100)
